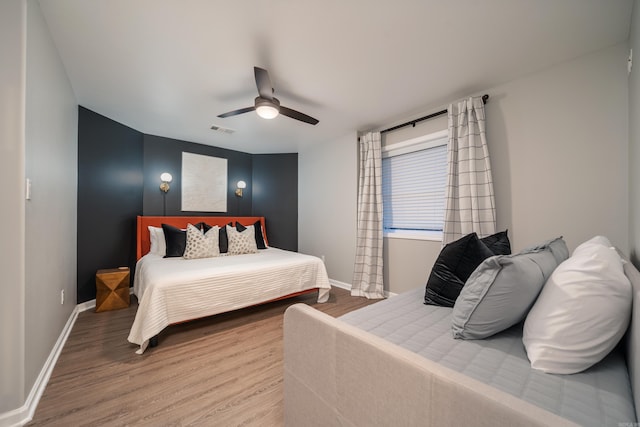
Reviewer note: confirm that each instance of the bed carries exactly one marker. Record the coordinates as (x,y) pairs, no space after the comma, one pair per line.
(396,363)
(174,290)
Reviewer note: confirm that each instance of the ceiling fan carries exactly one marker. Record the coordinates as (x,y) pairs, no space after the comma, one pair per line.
(266,105)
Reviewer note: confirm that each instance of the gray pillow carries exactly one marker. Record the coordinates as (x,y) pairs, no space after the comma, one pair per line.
(500,292)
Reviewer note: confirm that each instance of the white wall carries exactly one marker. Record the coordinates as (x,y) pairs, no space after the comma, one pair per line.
(51,163)
(558,141)
(634,139)
(38,136)
(12,82)
(327,192)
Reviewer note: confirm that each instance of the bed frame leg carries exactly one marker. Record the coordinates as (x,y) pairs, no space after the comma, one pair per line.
(153,342)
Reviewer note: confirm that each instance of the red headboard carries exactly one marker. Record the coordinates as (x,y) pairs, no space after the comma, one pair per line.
(143,242)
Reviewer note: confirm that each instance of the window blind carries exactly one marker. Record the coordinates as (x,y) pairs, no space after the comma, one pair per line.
(413,190)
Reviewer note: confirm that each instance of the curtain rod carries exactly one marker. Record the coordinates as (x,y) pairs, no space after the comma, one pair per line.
(430,116)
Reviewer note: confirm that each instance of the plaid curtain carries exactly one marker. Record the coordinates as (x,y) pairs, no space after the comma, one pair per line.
(367,271)
(470,204)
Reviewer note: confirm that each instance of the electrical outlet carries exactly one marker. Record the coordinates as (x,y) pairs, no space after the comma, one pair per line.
(62,296)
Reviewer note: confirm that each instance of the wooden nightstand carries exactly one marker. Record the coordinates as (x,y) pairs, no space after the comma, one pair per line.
(112,289)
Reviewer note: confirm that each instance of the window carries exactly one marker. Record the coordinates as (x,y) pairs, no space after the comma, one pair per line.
(414,178)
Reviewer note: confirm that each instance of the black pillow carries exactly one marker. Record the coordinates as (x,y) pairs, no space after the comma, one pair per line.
(259,236)
(223,239)
(203,226)
(498,243)
(175,239)
(454,265)
(257,228)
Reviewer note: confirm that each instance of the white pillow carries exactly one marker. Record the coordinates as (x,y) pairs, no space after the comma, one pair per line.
(202,245)
(242,242)
(581,313)
(158,244)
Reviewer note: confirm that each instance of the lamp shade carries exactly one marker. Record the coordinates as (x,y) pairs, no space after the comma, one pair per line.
(242,184)
(166,177)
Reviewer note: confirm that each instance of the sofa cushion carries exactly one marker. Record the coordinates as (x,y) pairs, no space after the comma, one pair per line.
(201,245)
(241,242)
(257,226)
(158,243)
(502,289)
(452,268)
(223,239)
(582,312)
(498,243)
(175,240)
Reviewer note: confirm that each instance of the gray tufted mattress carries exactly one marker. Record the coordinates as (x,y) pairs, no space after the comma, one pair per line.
(599,396)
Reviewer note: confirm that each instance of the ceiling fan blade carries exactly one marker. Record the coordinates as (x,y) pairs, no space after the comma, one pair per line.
(263,83)
(236,112)
(298,115)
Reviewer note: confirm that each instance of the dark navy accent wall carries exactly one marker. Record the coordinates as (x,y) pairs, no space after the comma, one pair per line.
(109,197)
(165,155)
(275,196)
(119,178)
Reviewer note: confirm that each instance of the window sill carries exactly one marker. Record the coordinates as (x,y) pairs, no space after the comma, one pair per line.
(433,236)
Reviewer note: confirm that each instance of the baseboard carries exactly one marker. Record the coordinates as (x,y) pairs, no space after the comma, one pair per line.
(347,287)
(89,305)
(24,414)
(13,418)
(340,285)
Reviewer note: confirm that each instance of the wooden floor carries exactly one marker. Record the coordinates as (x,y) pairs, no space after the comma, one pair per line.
(224,370)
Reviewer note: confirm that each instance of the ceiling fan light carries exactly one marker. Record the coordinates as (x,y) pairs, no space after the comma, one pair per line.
(267,111)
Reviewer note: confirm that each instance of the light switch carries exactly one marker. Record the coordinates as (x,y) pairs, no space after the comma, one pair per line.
(28,189)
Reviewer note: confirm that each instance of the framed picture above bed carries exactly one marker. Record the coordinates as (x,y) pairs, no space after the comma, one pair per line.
(204,183)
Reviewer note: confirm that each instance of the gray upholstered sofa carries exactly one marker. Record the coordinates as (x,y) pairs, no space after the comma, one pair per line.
(337,374)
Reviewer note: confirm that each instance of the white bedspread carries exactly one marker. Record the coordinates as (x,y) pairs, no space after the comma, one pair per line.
(172,290)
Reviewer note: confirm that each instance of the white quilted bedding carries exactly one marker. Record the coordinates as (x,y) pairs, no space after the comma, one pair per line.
(172,290)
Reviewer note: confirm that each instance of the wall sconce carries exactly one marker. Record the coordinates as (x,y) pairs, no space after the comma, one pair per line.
(165,179)
(241,185)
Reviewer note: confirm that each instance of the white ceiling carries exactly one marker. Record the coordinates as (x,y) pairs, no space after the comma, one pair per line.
(169,67)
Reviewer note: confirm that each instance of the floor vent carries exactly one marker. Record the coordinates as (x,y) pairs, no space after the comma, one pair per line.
(221,129)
